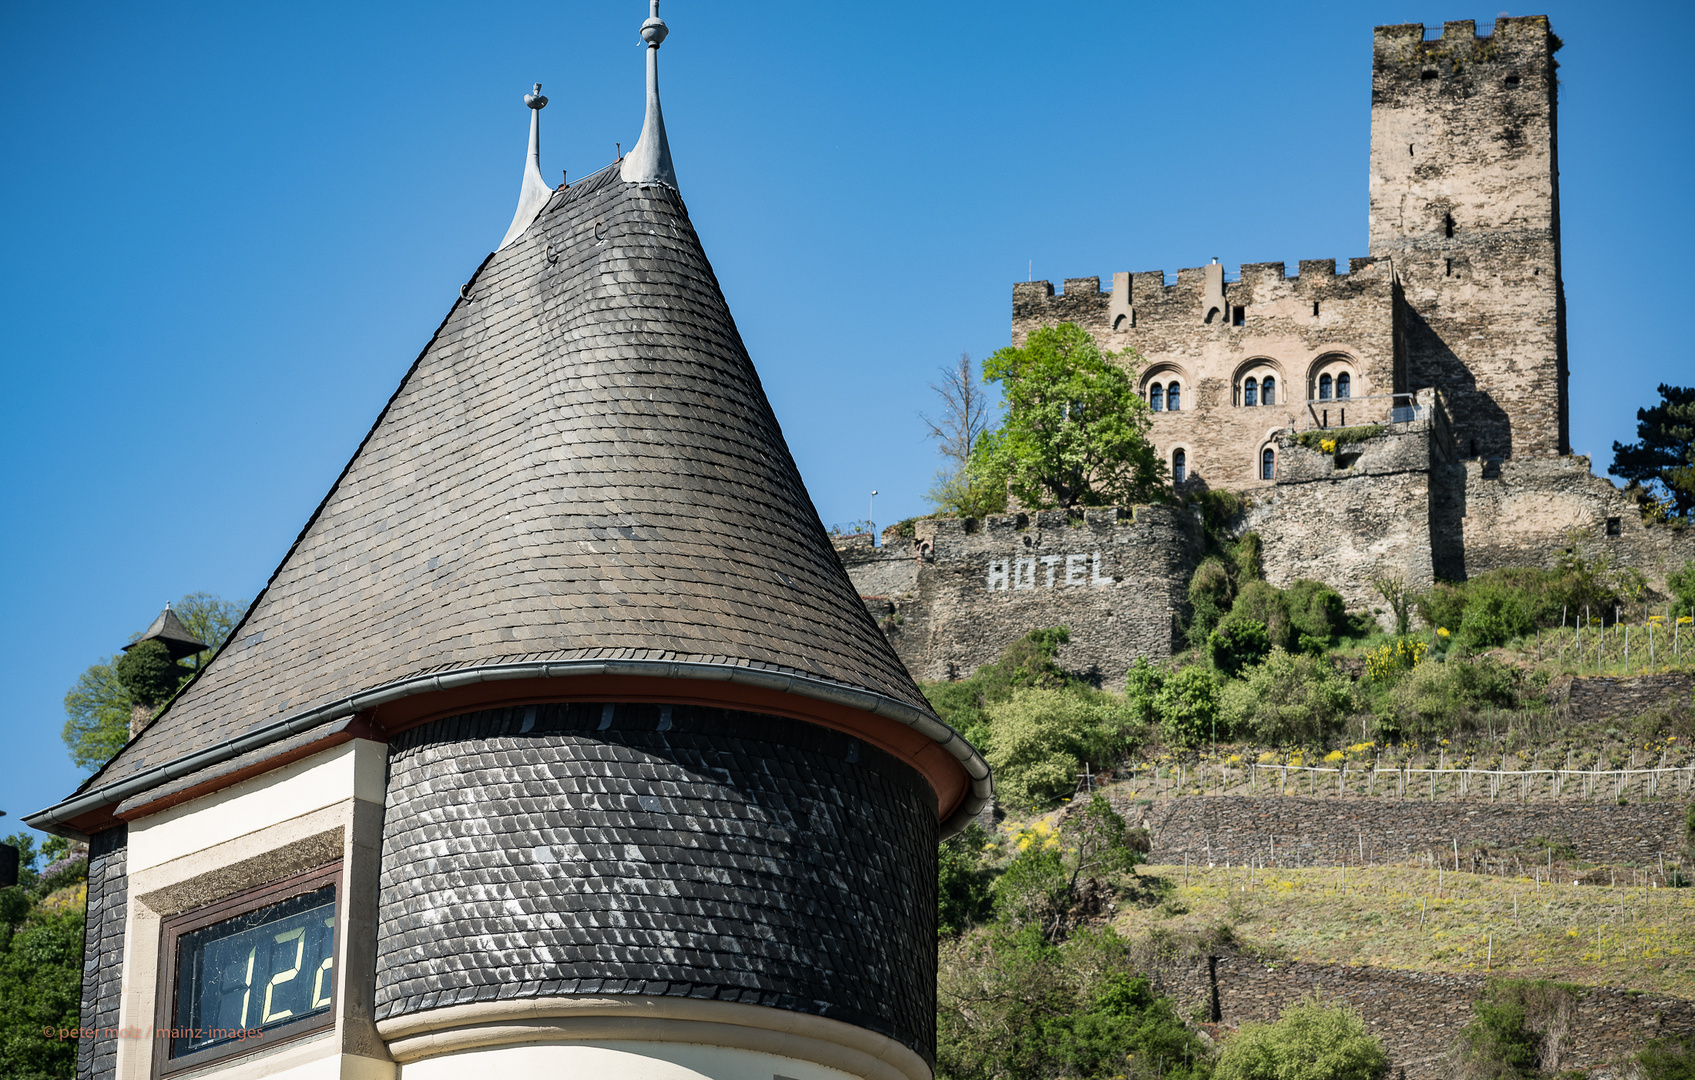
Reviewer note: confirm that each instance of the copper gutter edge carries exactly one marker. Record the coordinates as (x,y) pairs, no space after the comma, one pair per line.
(53,818)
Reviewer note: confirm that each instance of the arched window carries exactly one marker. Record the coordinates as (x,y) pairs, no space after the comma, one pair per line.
(1268,464)
(1172,401)
(1179,466)
(1250,392)
(1324,387)
(1344,385)
(1268,391)
(1156,398)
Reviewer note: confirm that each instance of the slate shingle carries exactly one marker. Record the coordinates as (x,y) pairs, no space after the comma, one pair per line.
(582,464)
(770,916)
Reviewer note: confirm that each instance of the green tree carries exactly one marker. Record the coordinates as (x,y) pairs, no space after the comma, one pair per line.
(1309,1041)
(99,705)
(1075,432)
(1662,459)
(40,961)
(1037,741)
(964,884)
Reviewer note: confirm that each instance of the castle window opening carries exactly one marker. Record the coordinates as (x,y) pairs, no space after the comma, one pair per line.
(1268,391)
(1512,81)
(1315,309)
(1238,316)
(1324,387)
(1156,398)
(1448,226)
(1427,74)
(1449,271)
(1179,466)
(1615,527)
(1172,398)
(1344,385)
(1268,464)
(1250,392)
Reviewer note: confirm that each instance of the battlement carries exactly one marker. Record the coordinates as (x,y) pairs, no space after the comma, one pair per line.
(1461,35)
(1157,286)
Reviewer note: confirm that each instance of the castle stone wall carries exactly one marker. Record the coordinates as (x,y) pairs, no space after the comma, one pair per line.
(959,592)
(1464,189)
(1293,328)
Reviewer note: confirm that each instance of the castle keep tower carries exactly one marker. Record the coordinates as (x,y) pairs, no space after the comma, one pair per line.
(559,744)
(1461,293)
(1465,200)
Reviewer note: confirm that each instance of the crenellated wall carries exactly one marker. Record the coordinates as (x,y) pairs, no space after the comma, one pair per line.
(1290,327)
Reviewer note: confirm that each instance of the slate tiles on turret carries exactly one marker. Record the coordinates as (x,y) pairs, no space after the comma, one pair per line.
(582,464)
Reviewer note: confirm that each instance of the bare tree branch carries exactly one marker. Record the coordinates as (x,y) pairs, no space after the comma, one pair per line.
(965,408)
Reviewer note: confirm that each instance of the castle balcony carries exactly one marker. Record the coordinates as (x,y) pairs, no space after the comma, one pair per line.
(1334,412)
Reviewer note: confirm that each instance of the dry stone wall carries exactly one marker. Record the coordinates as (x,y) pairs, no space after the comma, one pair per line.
(1602,698)
(955,595)
(1417,1014)
(1299,831)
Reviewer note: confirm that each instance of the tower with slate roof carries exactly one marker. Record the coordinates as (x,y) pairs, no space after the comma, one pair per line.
(559,743)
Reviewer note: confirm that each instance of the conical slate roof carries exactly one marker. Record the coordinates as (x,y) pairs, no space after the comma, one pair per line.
(581,464)
(169,631)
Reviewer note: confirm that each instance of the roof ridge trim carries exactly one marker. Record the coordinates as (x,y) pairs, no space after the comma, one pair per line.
(53,818)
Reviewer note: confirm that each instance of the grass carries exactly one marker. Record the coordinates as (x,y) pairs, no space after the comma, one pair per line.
(1646,935)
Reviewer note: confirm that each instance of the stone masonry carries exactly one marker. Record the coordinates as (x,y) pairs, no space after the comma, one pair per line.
(958,592)
(1461,291)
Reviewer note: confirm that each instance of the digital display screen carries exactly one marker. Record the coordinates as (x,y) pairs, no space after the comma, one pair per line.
(259,970)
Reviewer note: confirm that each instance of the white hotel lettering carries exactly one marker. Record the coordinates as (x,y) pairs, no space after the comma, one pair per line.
(1079,569)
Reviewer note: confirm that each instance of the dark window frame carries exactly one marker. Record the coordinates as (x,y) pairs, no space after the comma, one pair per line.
(173,928)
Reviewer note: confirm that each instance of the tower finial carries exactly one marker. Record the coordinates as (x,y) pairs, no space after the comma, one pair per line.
(535,192)
(649,161)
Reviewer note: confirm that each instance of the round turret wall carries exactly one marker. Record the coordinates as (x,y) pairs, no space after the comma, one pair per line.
(679,852)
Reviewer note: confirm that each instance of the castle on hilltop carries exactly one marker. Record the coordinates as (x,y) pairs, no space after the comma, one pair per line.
(1405,419)
(1461,290)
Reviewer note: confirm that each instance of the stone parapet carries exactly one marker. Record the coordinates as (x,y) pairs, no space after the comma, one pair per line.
(959,591)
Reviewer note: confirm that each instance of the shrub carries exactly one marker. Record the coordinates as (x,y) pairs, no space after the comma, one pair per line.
(1210,594)
(1238,642)
(1681,584)
(1184,704)
(1438,699)
(1388,663)
(1667,1059)
(1316,613)
(1287,699)
(1187,707)
(1310,1041)
(1518,1029)
(964,885)
(1029,661)
(1495,613)
(1039,738)
(1267,605)
(1443,604)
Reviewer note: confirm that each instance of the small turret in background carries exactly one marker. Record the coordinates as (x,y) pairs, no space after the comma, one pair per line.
(151,668)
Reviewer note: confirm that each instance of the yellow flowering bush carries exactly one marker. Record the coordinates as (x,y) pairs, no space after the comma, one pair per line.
(1388,662)
(1327,445)
(1334,757)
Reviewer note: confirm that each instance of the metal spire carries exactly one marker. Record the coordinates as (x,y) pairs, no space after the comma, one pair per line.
(649,162)
(535,192)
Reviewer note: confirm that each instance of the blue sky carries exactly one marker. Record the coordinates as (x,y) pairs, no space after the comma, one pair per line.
(228,229)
